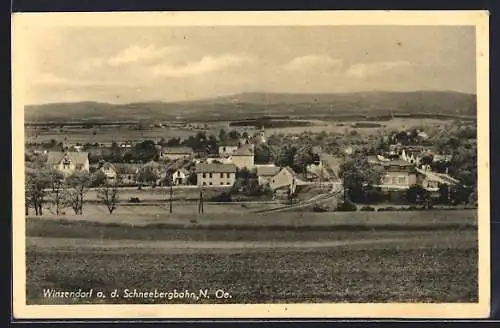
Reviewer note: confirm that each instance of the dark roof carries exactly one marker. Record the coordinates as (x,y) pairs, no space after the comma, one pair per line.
(177,150)
(55,157)
(215,168)
(397,163)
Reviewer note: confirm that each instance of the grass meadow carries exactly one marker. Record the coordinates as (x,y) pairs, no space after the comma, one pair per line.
(278,258)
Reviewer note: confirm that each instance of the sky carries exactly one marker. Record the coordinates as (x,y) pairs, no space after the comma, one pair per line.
(136,64)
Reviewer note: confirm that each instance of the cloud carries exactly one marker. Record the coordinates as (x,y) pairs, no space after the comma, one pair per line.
(313,62)
(138,53)
(206,64)
(360,71)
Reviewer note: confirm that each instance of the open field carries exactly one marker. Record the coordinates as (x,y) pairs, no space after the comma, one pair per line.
(120,134)
(138,216)
(258,266)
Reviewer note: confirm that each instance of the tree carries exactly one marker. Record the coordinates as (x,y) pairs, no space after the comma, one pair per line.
(357,174)
(234,135)
(302,158)
(56,179)
(286,156)
(37,181)
(148,175)
(108,194)
(416,194)
(77,187)
(262,154)
(223,135)
(98,179)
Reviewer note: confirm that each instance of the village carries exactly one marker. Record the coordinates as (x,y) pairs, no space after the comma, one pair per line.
(399,174)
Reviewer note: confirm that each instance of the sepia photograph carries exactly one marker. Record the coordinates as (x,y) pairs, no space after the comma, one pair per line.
(255,164)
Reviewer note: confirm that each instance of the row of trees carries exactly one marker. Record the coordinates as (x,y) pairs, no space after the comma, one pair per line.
(45,185)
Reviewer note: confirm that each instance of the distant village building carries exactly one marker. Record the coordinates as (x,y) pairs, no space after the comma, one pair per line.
(173,153)
(68,162)
(265,173)
(228,147)
(286,177)
(109,171)
(215,174)
(180,176)
(127,173)
(243,157)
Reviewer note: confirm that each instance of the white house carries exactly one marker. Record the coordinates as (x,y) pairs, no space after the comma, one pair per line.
(180,176)
(68,162)
(109,171)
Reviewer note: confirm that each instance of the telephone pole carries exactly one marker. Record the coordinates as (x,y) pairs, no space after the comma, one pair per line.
(171,194)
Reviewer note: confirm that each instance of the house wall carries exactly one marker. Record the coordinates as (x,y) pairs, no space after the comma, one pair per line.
(283,178)
(399,179)
(71,168)
(179,178)
(109,173)
(127,178)
(215,179)
(243,161)
(264,180)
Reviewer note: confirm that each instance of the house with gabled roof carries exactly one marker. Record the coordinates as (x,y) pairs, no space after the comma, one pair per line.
(266,172)
(286,177)
(180,176)
(68,162)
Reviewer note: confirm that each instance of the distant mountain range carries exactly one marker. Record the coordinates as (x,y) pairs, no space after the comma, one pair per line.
(252,105)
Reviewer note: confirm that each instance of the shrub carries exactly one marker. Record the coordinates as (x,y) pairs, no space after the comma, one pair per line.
(222,198)
(319,209)
(387,209)
(346,207)
(367,208)
(134,200)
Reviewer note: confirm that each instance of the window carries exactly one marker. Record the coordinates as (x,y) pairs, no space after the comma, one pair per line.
(221,183)
(79,166)
(228,183)
(228,175)
(130,177)
(210,175)
(222,176)
(210,183)
(223,148)
(204,175)
(204,183)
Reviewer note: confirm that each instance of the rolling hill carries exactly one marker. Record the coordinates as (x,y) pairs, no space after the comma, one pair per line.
(251,105)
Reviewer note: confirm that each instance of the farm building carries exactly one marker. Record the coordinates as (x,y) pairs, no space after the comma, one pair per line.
(127,173)
(215,174)
(172,153)
(68,162)
(266,172)
(286,177)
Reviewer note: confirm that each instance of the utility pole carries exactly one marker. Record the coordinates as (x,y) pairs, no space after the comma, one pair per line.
(171,194)
(200,204)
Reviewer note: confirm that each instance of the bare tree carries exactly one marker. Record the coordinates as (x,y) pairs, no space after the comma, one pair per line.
(77,188)
(108,194)
(37,180)
(57,190)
